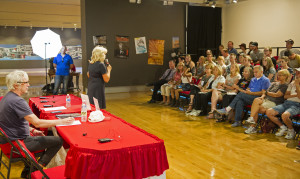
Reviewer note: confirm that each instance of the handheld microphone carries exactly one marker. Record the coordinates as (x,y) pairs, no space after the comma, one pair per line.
(106,62)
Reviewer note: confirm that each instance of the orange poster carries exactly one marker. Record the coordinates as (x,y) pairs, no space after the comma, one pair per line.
(156,52)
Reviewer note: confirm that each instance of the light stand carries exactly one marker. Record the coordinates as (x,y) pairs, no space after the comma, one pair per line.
(47,88)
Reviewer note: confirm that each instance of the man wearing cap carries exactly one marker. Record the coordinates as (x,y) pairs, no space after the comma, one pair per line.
(289,46)
(256,55)
(294,59)
(231,49)
(289,108)
(243,48)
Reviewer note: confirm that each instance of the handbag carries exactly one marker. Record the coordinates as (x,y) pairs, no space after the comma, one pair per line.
(266,125)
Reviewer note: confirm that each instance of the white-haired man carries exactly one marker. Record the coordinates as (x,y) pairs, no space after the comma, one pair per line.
(15,118)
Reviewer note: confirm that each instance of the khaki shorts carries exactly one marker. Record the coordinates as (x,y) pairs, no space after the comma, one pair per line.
(268,104)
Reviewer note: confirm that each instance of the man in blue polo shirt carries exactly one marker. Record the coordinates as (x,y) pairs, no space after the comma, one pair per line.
(63,62)
(258,85)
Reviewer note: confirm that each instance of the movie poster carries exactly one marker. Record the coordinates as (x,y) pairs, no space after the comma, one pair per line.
(122,46)
(99,40)
(156,52)
(175,42)
(140,45)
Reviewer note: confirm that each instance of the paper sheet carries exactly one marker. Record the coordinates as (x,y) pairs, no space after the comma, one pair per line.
(76,122)
(55,108)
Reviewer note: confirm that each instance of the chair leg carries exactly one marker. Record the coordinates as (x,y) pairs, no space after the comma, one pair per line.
(9,162)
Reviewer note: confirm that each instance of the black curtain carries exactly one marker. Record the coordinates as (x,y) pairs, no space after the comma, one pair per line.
(204,30)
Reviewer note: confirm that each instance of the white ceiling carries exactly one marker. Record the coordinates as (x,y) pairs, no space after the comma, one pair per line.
(54,13)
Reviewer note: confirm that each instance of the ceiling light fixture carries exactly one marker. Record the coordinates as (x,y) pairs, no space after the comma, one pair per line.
(213,4)
(30,26)
(62,28)
(15,27)
(5,26)
(170,2)
(139,1)
(234,1)
(75,27)
(165,3)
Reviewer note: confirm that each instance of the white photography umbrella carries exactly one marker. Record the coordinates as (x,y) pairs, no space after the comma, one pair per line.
(46,44)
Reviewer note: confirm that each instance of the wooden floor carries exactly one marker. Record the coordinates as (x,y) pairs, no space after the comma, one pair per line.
(200,148)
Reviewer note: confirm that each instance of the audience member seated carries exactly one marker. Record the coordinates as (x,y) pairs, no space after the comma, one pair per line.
(256,55)
(289,46)
(230,48)
(221,63)
(167,76)
(258,85)
(289,108)
(200,69)
(218,81)
(294,59)
(246,63)
(202,85)
(226,56)
(283,64)
(232,78)
(232,61)
(190,64)
(268,53)
(272,97)
(209,60)
(167,87)
(220,51)
(186,79)
(269,70)
(242,85)
(243,48)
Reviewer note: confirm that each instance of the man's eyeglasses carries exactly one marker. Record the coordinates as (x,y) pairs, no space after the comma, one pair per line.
(25,82)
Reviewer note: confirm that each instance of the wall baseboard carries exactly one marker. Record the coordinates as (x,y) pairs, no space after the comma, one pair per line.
(124,89)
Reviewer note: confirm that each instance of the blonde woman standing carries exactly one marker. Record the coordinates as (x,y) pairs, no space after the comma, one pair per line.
(98,74)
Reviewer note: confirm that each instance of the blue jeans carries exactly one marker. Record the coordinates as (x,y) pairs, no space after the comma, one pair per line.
(57,82)
(238,103)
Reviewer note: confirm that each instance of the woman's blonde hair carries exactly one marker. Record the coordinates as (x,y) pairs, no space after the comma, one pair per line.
(180,64)
(220,69)
(286,73)
(221,58)
(237,69)
(98,54)
(250,71)
(269,63)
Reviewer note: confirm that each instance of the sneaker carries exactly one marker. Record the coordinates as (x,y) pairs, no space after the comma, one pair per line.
(290,134)
(298,147)
(281,131)
(222,111)
(236,124)
(250,130)
(162,102)
(250,120)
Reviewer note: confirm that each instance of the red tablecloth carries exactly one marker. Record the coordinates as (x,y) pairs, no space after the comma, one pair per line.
(134,153)
(56,100)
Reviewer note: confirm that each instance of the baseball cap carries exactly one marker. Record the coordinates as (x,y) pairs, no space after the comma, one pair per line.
(254,44)
(290,40)
(243,45)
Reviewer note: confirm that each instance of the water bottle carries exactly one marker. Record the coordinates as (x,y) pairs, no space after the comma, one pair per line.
(68,101)
(83,111)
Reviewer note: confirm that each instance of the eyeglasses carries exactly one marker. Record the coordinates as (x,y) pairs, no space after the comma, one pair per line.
(25,82)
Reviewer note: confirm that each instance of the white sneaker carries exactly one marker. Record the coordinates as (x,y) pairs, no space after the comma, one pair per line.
(290,134)
(251,130)
(250,120)
(281,131)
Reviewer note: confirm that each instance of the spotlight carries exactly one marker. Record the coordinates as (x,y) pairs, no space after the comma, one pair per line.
(132,1)
(213,5)
(234,1)
(170,3)
(139,1)
(165,3)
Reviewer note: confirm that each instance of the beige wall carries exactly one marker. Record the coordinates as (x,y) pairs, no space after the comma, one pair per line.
(269,22)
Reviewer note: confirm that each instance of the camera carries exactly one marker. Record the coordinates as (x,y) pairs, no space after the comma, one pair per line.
(106,62)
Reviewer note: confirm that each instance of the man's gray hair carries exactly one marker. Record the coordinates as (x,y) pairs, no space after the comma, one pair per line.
(259,67)
(14,77)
